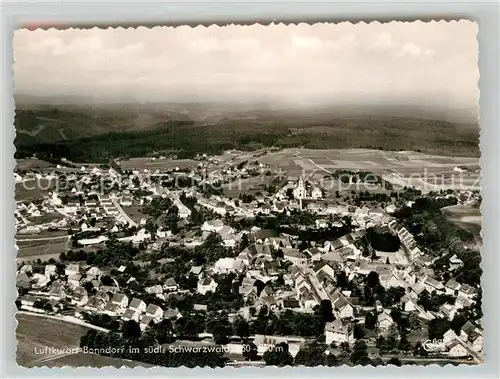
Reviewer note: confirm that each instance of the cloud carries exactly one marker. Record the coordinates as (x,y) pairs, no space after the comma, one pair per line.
(295,63)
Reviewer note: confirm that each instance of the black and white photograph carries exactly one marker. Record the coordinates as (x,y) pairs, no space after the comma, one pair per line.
(248,195)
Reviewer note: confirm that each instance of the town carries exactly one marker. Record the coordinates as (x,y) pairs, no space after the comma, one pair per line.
(185,265)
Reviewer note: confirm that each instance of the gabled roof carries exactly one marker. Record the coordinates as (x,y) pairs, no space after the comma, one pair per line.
(135,303)
(153,309)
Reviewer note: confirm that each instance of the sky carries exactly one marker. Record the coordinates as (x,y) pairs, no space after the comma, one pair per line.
(419,63)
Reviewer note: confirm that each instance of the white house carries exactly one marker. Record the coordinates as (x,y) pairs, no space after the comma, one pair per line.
(338,332)
(137,305)
(154,311)
(206,285)
(316,193)
(50,270)
(72,269)
(457,350)
(212,226)
(227,265)
(295,256)
(384,320)
(141,236)
(170,285)
(120,300)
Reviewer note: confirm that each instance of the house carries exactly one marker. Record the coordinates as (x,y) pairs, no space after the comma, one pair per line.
(170,285)
(338,332)
(146,321)
(448,311)
(50,270)
(206,285)
(295,256)
(120,299)
(170,314)
(473,335)
(467,291)
(292,304)
(57,291)
(316,193)
(455,262)
(156,289)
(392,280)
(94,273)
(79,297)
(431,285)
(227,265)
(154,311)
(196,270)
(141,236)
(449,337)
(325,272)
(23,280)
(28,300)
(456,349)
(137,305)
(94,303)
(131,314)
(384,320)
(341,306)
(74,280)
(72,269)
(212,226)
(452,287)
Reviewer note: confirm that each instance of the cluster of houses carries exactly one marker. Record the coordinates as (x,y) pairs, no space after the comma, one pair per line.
(308,276)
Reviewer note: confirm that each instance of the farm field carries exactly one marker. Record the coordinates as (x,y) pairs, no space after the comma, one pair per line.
(94,360)
(401,168)
(135,212)
(465,216)
(49,248)
(36,331)
(33,189)
(250,185)
(32,164)
(152,165)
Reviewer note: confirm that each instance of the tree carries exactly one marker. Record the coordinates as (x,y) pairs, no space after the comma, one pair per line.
(372,280)
(325,310)
(371,320)
(310,355)
(241,328)
(359,353)
(395,362)
(414,321)
(359,331)
(437,327)
(279,355)
(250,351)
(131,330)
(244,242)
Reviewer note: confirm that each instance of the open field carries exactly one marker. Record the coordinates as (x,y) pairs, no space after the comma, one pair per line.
(401,168)
(135,212)
(249,185)
(35,331)
(157,164)
(94,360)
(32,164)
(467,217)
(33,189)
(40,332)
(34,249)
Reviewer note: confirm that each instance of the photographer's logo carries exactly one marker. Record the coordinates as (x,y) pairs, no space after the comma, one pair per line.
(434,345)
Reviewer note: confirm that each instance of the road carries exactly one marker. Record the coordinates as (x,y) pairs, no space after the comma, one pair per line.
(297,155)
(122,212)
